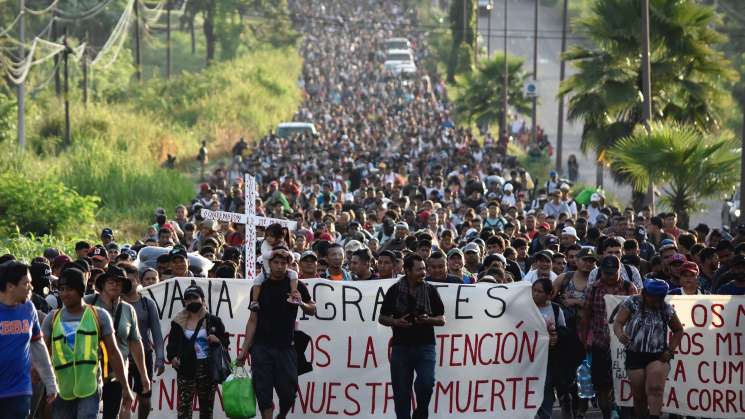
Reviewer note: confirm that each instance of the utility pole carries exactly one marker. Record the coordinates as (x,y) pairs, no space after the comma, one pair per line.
(647,88)
(21,87)
(68,137)
(488,34)
(534,124)
(168,40)
(57,78)
(85,72)
(138,52)
(562,71)
(505,83)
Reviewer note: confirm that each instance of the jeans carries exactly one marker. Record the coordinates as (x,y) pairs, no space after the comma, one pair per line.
(86,408)
(405,360)
(15,407)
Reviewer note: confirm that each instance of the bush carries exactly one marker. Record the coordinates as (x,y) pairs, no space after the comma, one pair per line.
(28,246)
(42,206)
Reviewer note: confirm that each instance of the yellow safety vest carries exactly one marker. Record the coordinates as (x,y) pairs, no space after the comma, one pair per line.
(76,368)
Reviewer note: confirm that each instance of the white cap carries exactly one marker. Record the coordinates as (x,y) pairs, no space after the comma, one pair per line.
(569,231)
(564,187)
(508,187)
(595,197)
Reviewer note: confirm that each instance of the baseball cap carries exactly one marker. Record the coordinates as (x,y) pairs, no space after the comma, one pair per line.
(601,218)
(595,197)
(546,226)
(655,287)
(193,290)
(41,277)
(454,251)
(690,267)
(309,254)
(678,258)
(667,244)
(587,252)
(107,232)
(472,247)
(610,264)
(60,260)
(402,225)
(569,231)
(551,240)
(564,187)
(508,187)
(115,272)
(98,252)
(178,252)
(547,254)
(640,232)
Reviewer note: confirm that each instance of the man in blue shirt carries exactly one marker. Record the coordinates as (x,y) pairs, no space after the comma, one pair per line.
(20,343)
(734,279)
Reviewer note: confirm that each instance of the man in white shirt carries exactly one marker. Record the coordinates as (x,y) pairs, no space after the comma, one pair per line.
(543,263)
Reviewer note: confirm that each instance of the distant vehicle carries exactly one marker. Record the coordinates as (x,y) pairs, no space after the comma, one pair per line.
(485,5)
(397,43)
(731,211)
(288,129)
(400,61)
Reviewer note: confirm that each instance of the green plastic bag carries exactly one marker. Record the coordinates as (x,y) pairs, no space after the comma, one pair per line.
(238,398)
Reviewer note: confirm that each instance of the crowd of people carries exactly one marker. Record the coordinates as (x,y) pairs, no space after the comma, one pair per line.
(388,188)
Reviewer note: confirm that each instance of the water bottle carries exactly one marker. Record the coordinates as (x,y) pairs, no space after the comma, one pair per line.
(585,389)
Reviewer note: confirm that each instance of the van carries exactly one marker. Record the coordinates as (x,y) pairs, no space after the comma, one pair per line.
(289,129)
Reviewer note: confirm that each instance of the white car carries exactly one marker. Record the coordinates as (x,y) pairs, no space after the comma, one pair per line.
(400,61)
(731,211)
(485,5)
(288,129)
(397,44)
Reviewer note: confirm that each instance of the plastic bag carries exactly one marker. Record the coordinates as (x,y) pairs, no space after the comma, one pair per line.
(239,400)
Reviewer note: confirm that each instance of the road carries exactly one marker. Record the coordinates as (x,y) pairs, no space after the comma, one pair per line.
(520,17)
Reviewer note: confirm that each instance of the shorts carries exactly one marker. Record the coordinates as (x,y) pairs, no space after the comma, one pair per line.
(601,369)
(274,369)
(134,374)
(640,360)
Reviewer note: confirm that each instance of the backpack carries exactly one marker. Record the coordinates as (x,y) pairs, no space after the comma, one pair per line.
(104,360)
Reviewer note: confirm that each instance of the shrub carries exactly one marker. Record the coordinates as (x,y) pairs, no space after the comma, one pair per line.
(42,206)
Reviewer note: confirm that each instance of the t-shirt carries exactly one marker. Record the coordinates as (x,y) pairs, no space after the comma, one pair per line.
(416,334)
(547,312)
(19,325)
(276,319)
(72,321)
(127,330)
(731,288)
(646,328)
(201,346)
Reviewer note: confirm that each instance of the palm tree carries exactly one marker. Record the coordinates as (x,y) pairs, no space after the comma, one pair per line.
(480,98)
(688,74)
(689,165)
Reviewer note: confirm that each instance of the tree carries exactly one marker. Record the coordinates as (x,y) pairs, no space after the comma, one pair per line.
(481,91)
(688,74)
(689,165)
(464,37)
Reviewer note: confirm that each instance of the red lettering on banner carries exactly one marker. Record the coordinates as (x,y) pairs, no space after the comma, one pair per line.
(481,346)
(304,398)
(370,353)
(528,392)
(672,398)
(733,345)
(164,393)
(625,390)
(497,394)
(388,396)
(445,390)
(374,387)
(349,354)
(740,311)
(680,372)
(454,349)
(316,347)
(698,322)
(331,399)
(458,393)
(471,349)
(477,395)
(717,315)
(353,400)
(688,342)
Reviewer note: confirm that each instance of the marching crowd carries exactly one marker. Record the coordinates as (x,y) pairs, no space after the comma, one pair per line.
(388,188)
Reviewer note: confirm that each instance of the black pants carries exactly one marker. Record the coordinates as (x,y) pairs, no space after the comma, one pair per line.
(112,399)
(274,370)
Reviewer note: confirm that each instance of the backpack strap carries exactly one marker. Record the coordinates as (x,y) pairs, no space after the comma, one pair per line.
(629,271)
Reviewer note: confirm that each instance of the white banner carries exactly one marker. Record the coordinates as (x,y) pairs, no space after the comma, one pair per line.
(491,355)
(238,218)
(707,375)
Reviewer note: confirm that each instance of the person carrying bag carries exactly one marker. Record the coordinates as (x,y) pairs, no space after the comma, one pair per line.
(238,397)
(196,340)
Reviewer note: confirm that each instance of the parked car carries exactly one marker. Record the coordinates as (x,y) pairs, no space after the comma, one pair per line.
(731,211)
(397,43)
(288,129)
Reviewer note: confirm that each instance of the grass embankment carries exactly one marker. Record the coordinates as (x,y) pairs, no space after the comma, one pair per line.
(111,172)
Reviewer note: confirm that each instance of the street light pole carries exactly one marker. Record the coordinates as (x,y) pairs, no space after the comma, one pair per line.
(505,83)
(488,34)
(21,88)
(562,72)
(534,124)
(647,87)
